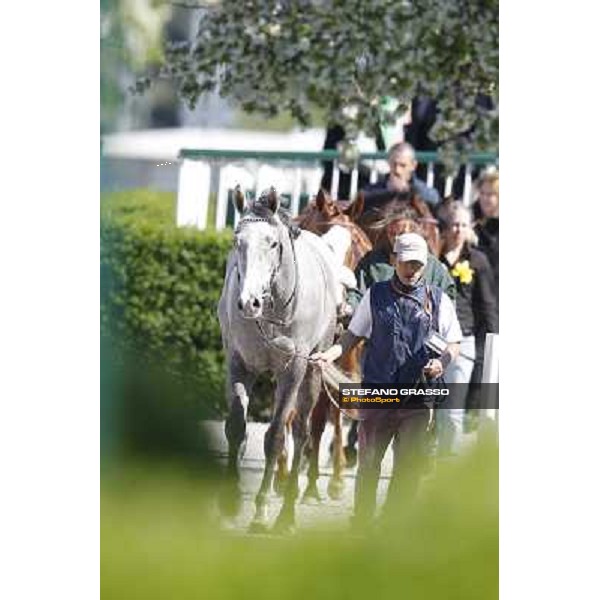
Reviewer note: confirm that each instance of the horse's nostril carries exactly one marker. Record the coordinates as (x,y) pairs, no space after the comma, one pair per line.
(256,303)
(240,305)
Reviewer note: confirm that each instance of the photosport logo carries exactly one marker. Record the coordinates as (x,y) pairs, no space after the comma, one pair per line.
(433,395)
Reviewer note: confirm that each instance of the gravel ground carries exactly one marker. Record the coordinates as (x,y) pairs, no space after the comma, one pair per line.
(328,514)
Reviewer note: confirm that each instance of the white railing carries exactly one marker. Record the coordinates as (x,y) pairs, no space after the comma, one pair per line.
(295,175)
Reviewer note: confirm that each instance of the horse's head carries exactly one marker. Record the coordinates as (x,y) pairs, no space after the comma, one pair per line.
(402,213)
(320,214)
(324,212)
(258,244)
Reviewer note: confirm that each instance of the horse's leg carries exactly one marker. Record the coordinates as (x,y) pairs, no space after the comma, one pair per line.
(336,483)
(352,365)
(318,420)
(282,473)
(239,385)
(307,398)
(285,395)
(350,449)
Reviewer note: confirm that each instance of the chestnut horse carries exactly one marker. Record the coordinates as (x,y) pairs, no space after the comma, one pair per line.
(318,217)
(374,220)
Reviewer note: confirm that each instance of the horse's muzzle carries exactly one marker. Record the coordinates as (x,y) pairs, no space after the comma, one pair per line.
(251,308)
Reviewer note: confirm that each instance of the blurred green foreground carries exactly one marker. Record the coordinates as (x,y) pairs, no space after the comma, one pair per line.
(158,542)
(160,537)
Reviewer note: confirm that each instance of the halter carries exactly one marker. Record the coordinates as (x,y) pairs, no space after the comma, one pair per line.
(269,295)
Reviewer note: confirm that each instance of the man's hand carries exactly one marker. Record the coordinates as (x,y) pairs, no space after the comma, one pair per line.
(328,356)
(433,368)
(346,343)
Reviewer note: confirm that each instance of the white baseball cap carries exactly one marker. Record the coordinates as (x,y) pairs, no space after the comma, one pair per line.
(411,246)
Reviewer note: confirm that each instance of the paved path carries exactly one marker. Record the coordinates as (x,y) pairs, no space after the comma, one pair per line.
(327,515)
(332,514)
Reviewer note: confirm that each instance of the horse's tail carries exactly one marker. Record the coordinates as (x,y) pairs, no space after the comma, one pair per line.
(333,376)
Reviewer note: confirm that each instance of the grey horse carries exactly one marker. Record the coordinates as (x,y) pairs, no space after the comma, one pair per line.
(278,305)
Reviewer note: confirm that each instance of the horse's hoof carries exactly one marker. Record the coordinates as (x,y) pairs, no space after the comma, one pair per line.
(287,529)
(284,526)
(311,495)
(230,500)
(351,457)
(335,489)
(258,527)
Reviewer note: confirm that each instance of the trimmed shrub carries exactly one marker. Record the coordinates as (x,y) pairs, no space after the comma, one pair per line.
(160,286)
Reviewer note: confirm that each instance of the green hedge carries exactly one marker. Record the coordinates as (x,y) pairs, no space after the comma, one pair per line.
(160,286)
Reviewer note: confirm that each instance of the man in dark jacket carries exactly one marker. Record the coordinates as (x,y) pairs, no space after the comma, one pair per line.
(401,178)
(396,317)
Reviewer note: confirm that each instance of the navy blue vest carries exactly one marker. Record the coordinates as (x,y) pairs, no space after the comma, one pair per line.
(396,351)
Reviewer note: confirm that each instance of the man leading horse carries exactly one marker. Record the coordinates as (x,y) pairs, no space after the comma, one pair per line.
(397,318)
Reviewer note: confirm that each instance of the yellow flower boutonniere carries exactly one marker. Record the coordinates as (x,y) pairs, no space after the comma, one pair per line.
(463,271)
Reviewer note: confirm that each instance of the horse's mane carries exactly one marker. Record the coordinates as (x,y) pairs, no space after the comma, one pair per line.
(400,206)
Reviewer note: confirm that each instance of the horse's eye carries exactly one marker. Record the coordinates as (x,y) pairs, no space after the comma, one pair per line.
(274,244)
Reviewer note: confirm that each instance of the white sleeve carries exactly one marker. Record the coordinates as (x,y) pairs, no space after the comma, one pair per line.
(362,321)
(448,321)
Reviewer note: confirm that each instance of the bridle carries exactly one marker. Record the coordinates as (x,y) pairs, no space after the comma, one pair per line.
(268,295)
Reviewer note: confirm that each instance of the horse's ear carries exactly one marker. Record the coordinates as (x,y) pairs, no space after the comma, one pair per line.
(273,200)
(239,200)
(357,207)
(321,199)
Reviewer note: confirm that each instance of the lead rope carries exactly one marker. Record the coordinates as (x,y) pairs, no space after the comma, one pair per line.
(305,357)
(353,416)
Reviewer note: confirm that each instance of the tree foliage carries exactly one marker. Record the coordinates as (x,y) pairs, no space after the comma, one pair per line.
(131,38)
(346,56)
